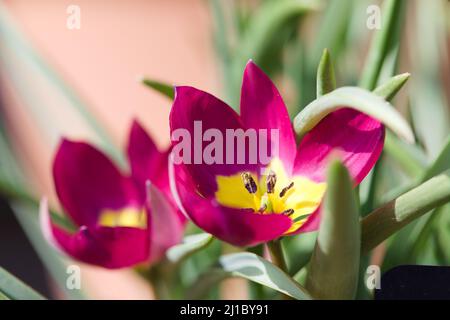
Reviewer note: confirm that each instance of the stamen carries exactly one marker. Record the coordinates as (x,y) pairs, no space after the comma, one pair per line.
(271,181)
(249,182)
(286,189)
(288,212)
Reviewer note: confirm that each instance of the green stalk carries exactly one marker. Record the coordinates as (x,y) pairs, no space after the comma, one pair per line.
(278,258)
(277,254)
(388,219)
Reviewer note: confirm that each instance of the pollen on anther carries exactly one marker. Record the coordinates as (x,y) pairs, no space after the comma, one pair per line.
(271,180)
(249,182)
(288,212)
(286,189)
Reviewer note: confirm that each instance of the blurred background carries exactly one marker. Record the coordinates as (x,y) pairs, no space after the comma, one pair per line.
(85,84)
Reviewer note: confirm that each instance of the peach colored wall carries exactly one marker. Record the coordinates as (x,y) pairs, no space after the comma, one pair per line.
(120,41)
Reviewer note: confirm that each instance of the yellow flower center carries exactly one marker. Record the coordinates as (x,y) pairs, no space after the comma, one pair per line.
(273,192)
(126,217)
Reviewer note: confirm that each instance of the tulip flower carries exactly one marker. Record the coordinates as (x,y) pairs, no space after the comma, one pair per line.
(122,220)
(247,202)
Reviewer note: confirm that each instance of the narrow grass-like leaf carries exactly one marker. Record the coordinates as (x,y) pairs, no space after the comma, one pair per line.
(429,110)
(334,266)
(392,11)
(410,157)
(386,220)
(325,81)
(267,21)
(333,29)
(440,164)
(191,244)
(163,88)
(359,99)
(12,288)
(263,34)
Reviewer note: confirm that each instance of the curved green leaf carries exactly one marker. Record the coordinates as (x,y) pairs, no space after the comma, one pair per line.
(12,288)
(254,268)
(190,245)
(334,266)
(356,98)
(251,267)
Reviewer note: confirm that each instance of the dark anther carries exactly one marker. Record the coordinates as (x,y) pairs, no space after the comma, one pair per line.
(249,182)
(288,212)
(271,181)
(286,189)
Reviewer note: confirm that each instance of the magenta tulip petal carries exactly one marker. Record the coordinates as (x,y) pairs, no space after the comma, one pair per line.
(166,225)
(355,137)
(262,107)
(102,246)
(239,227)
(193,105)
(87,182)
(146,161)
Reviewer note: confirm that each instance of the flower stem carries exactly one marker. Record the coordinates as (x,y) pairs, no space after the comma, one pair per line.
(278,258)
(159,283)
(277,254)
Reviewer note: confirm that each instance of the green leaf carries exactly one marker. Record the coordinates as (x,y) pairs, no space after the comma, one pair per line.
(359,99)
(251,267)
(392,18)
(254,268)
(334,266)
(410,157)
(326,81)
(12,288)
(164,89)
(267,21)
(389,89)
(269,28)
(388,219)
(429,108)
(333,29)
(191,244)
